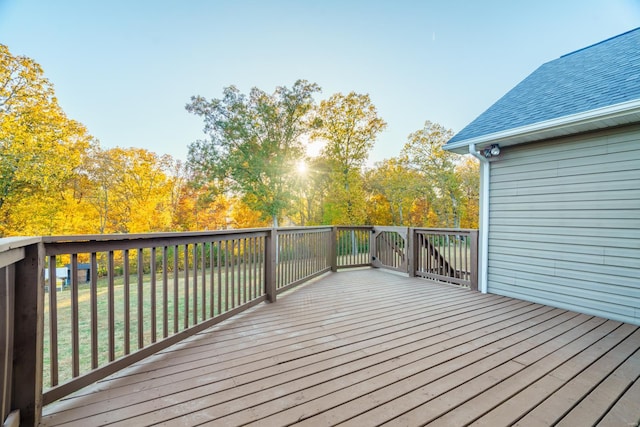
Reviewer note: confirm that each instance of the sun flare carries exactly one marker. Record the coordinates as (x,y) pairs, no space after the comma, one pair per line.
(301,167)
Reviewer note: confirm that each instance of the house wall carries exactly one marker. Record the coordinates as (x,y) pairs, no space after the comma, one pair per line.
(564,221)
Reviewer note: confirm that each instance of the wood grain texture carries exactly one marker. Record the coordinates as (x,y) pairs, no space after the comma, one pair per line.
(369,347)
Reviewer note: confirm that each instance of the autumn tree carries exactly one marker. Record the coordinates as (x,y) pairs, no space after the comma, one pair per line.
(254,143)
(40,149)
(242,216)
(130,189)
(393,187)
(194,208)
(468,178)
(311,189)
(349,125)
(425,154)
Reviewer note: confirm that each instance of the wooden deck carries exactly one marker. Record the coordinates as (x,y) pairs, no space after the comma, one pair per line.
(367,347)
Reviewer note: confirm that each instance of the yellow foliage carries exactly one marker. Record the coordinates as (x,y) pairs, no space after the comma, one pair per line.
(242,216)
(468,174)
(129,189)
(378,210)
(349,126)
(40,148)
(55,179)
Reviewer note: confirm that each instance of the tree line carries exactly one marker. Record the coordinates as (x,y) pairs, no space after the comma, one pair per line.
(251,169)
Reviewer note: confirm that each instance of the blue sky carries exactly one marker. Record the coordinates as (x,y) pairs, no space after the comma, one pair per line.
(126,69)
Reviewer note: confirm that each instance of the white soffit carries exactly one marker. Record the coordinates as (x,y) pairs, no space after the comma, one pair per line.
(601,118)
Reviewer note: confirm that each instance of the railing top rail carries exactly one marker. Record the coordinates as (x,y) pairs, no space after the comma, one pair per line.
(447,230)
(14,242)
(139,236)
(392,227)
(8,243)
(312,229)
(102,243)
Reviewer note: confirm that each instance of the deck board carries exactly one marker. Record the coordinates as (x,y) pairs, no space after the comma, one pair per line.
(545,401)
(369,347)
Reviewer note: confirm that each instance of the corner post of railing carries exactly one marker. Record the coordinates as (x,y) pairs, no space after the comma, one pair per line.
(271,249)
(333,249)
(28,335)
(411,252)
(372,248)
(474,260)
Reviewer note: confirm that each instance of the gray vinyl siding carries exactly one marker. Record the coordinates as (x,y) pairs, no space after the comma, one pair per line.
(565,223)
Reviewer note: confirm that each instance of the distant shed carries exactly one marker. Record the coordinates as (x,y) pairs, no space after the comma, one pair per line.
(84,272)
(61,280)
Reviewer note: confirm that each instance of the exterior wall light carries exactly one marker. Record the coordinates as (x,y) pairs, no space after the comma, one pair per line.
(492,151)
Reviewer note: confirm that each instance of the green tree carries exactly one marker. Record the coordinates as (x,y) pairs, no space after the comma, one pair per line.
(395,185)
(468,177)
(254,143)
(349,125)
(312,186)
(424,152)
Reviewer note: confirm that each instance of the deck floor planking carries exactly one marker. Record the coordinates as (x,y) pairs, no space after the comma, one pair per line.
(369,347)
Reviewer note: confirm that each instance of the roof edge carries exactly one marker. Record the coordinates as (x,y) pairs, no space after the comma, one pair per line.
(600,42)
(548,128)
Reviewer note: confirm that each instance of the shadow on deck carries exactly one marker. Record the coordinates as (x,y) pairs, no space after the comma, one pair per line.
(368,347)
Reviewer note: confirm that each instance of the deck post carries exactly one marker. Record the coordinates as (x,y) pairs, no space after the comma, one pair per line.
(411,252)
(372,249)
(270,261)
(333,250)
(474,260)
(7,286)
(28,335)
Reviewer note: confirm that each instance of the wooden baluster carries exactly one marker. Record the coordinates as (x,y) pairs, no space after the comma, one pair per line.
(53,321)
(152,295)
(93,290)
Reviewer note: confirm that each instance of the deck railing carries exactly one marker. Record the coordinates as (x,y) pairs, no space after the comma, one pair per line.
(353,246)
(303,253)
(390,248)
(21,311)
(9,257)
(446,255)
(125,297)
(143,293)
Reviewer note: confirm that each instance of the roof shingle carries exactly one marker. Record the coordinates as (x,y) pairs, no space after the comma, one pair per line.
(603,74)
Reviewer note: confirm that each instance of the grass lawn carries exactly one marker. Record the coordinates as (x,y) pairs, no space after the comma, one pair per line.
(222,292)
